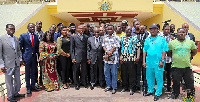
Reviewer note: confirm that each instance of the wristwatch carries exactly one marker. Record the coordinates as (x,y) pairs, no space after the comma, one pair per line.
(163,61)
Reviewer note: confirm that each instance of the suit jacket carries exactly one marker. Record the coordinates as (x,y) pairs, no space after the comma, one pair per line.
(9,56)
(56,35)
(28,51)
(191,36)
(94,51)
(78,48)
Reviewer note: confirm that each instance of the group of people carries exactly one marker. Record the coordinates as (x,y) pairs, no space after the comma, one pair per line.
(83,55)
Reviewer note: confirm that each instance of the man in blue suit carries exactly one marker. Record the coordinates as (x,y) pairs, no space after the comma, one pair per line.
(29,45)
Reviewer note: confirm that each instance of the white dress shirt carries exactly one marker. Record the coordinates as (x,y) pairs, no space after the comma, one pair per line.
(187,36)
(12,40)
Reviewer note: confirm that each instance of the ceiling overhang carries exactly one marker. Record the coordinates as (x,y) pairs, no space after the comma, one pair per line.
(99,16)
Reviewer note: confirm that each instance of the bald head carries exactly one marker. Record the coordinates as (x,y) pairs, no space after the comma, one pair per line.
(186,27)
(39,25)
(101,31)
(134,20)
(96,32)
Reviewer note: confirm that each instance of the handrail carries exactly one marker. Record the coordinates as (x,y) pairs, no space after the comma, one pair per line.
(2,89)
(196,72)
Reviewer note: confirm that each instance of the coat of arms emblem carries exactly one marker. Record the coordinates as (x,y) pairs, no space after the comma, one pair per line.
(105,5)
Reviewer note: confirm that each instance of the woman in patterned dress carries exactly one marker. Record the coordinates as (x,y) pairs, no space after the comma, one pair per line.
(48,56)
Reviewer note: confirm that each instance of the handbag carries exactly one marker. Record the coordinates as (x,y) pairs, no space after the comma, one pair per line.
(111,58)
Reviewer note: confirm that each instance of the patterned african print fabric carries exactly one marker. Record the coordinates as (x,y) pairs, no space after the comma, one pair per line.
(50,77)
(129,46)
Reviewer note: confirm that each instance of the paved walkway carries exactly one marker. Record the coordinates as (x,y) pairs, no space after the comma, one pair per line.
(96,95)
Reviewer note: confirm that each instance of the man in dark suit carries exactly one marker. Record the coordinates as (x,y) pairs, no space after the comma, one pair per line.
(87,33)
(141,37)
(95,58)
(29,45)
(188,35)
(78,51)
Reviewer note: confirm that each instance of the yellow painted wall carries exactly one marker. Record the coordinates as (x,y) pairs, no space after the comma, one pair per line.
(167,13)
(92,5)
(42,15)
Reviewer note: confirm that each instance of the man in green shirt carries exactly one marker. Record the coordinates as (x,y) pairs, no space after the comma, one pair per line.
(182,50)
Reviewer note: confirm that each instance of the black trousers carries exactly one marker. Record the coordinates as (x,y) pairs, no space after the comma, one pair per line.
(168,70)
(97,73)
(80,69)
(71,72)
(36,74)
(30,72)
(140,69)
(59,67)
(144,77)
(128,71)
(186,74)
(88,71)
(40,78)
(65,67)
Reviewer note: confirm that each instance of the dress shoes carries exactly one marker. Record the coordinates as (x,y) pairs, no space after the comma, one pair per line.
(137,88)
(144,91)
(20,95)
(107,89)
(173,96)
(36,89)
(86,86)
(66,87)
(12,99)
(29,91)
(37,85)
(92,87)
(156,98)
(123,90)
(183,88)
(77,87)
(148,94)
(131,92)
(113,91)
(102,86)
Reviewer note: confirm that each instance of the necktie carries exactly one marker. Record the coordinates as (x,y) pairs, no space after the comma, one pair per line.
(32,42)
(97,40)
(81,36)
